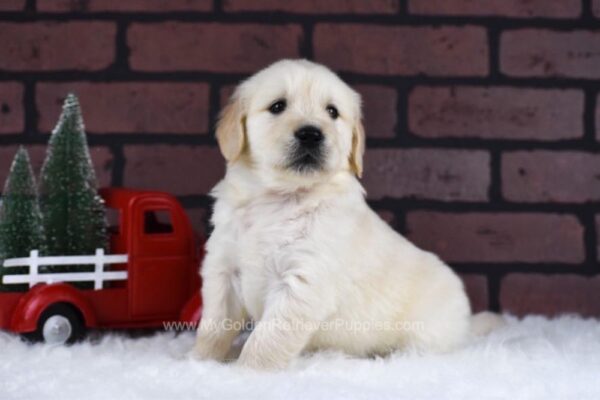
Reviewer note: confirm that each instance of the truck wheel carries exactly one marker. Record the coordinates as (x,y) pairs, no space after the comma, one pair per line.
(59,324)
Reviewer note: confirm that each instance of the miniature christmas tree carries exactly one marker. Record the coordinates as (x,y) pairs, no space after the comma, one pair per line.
(20,218)
(73,213)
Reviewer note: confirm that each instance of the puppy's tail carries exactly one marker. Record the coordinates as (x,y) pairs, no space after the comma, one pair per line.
(485,322)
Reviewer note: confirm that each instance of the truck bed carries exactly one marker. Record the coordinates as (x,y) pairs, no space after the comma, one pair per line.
(8,302)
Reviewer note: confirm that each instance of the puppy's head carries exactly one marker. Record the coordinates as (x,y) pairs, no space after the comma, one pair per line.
(294,120)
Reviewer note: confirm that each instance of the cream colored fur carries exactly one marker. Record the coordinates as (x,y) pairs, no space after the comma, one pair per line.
(302,254)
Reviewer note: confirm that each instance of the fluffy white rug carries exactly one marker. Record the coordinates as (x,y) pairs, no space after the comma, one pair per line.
(534,358)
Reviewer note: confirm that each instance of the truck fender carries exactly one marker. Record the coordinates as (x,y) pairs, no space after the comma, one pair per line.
(31,306)
(192,311)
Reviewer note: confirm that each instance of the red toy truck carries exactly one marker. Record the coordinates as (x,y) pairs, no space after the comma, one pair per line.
(151,277)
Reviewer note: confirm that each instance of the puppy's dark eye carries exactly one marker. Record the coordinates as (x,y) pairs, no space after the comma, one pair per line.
(333,112)
(278,107)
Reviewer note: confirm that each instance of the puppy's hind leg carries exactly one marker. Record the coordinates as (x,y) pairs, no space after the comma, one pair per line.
(441,313)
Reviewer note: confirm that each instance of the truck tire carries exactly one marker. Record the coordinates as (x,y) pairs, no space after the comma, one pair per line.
(59,324)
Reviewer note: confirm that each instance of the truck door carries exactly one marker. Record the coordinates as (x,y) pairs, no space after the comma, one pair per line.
(159,257)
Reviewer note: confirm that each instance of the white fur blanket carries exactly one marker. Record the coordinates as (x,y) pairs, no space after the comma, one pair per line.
(534,358)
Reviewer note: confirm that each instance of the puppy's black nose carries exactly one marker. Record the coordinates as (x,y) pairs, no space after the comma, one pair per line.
(309,136)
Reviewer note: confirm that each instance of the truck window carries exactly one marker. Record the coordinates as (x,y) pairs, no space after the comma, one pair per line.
(113,217)
(157,221)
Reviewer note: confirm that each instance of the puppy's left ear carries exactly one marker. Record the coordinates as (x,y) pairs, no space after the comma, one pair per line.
(231,129)
(358,147)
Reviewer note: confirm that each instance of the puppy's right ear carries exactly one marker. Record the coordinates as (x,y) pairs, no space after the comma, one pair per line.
(231,129)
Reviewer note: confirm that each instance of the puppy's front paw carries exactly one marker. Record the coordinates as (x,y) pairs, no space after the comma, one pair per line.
(203,351)
(256,362)
(256,365)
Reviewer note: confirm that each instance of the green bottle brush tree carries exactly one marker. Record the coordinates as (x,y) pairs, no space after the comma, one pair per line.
(20,218)
(68,217)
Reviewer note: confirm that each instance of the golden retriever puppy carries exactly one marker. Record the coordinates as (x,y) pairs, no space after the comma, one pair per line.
(295,246)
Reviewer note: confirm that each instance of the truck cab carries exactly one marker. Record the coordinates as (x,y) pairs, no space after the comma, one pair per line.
(164,252)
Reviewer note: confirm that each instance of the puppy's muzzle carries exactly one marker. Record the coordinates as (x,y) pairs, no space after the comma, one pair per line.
(307,152)
(309,136)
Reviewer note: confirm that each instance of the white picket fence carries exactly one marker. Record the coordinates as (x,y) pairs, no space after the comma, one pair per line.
(34,261)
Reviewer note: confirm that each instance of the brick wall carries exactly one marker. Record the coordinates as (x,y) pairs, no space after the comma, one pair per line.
(483,117)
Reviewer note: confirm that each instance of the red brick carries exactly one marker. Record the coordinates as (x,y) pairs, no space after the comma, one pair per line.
(498,237)
(551,176)
(225,94)
(598,117)
(101,157)
(379,109)
(597,236)
(496,113)
(403,50)
(477,290)
(544,53)
(550,295)
(177,169)
(12,119)
(387,216)
(129,107)
(454,175)
(315,6)
(503,8)
(46,46)
(180,46)
(12,5)
(125,6)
